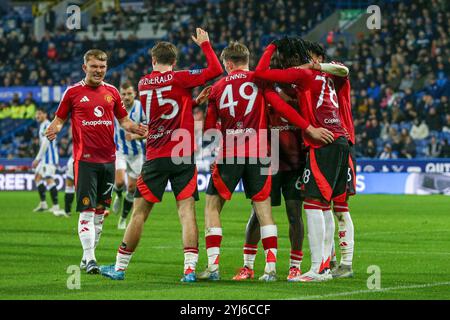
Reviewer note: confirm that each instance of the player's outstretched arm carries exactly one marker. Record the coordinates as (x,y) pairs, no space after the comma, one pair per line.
(133,127)
(332,68)
(291,75)
(290,114)
(54,128)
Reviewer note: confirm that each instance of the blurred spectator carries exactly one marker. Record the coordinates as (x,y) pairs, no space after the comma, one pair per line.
(5,111)
(371,150)
(445,151)
(409,148)
(419,130)
(30,108)
(387,153)
(434,148)
(17,109)
(434,120)
(446,127)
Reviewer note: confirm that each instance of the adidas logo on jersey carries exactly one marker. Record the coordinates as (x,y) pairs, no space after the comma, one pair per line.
(84,99)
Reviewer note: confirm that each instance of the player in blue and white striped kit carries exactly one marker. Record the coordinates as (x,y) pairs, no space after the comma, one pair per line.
(45,165)
(129,155)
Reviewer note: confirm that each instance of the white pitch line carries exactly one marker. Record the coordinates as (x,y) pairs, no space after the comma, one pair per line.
(350,293)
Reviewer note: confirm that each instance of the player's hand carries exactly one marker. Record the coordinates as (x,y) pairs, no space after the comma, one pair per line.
(128,136)
(52,131)
(140,130)
(212,166)
(202,36)
(321,135)
(35,163)
(203,96)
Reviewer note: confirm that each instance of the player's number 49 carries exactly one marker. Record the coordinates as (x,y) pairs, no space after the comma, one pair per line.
(227,99)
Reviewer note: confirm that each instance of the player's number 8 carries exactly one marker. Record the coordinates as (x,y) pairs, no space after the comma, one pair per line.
(228,95)
(306,175)
(161,101)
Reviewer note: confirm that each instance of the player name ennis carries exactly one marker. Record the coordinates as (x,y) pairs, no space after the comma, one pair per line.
(236,310)
(156,80)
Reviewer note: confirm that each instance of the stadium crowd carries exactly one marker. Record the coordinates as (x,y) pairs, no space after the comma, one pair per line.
(399,74)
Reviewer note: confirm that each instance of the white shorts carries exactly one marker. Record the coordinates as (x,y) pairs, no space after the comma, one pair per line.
(69,171)
(46,171)
(131,164)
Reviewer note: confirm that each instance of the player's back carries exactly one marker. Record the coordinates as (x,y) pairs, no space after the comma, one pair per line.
(167,103)
(319,102)
(238,103)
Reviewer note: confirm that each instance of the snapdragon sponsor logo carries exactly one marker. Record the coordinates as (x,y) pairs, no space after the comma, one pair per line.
(97,123)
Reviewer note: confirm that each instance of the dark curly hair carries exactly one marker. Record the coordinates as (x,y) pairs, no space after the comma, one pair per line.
(292,52)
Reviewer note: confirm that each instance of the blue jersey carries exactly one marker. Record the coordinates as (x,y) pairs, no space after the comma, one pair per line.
(134,147)
(48,152)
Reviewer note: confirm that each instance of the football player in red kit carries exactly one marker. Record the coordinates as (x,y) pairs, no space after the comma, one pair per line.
(166,97)
(93,104)
(239,102)
(340,204)
(325,174)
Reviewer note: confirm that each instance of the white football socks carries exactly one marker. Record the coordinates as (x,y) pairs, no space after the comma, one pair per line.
(329,235)
(86,232)
(316,232)
(346,233)
(269,239)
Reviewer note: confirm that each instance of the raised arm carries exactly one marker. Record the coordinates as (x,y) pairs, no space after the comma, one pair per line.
(264,62)
(195,78)
(290,114)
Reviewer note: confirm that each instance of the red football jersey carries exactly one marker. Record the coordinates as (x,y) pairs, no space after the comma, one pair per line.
(291,153)
(316,95)
(238,101)
(92,114)
(343,90)
(167,103)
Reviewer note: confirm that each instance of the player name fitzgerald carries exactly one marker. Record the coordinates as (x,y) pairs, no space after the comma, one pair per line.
(156,80)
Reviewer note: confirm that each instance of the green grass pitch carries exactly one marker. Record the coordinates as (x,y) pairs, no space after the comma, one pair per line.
(407,237)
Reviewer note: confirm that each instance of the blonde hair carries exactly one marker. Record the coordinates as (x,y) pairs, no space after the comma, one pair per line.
(96,54)
(236,52)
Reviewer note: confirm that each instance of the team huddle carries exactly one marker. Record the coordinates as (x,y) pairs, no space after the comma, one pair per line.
(284,129)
